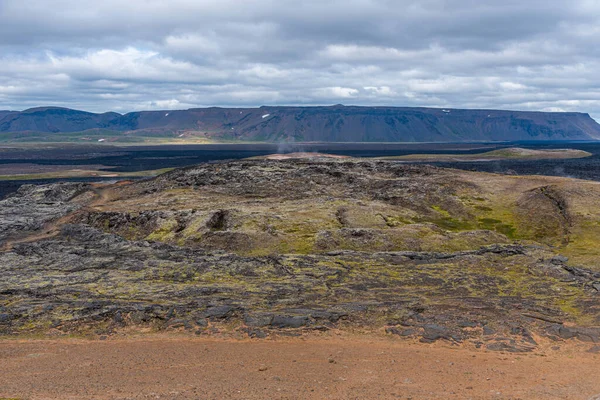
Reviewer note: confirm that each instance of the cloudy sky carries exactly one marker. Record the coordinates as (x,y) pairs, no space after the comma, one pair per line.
(148,54)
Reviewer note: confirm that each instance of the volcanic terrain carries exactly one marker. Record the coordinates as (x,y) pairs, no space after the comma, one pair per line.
(260,247)
(309,247)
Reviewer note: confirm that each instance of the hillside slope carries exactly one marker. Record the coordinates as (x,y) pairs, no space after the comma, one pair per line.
(324,124)
(267,247)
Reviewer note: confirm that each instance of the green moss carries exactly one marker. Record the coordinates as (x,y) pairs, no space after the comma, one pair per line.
(165,232)
(568,306)
(440,210)
(452,224)
(396,220)
(497,225)
(584,243)
(446,221)
(507,230)
(489,223)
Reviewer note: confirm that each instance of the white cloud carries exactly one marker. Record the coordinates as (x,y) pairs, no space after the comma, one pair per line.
(171,104)
(152,54)
(512,86)
(192,43)
(380,91)
(336,92)
(129,64)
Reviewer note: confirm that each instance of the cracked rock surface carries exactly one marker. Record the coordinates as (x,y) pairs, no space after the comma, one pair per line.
(284,247)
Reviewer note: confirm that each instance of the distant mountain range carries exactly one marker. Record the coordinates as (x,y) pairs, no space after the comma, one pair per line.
(301,124)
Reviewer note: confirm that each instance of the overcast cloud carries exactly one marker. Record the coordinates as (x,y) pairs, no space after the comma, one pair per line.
(146,54)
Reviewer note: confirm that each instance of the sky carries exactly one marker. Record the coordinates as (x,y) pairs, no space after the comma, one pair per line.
(147,54)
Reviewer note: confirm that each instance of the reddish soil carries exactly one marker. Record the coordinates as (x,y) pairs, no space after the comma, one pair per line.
(315,368)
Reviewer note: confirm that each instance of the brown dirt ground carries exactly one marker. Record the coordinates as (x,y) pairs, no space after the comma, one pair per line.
(297,368)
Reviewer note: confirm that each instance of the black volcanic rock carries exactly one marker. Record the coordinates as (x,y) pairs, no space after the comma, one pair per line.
(232,246)
(325,124)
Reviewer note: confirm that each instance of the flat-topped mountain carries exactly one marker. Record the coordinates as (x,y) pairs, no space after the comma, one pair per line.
(324,124)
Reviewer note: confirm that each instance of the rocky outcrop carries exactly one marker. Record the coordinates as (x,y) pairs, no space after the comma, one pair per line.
(32,207)
(285,247)
(86,280)
(545,214)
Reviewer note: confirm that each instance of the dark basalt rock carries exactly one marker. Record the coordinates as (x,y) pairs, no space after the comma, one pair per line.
(31,207)
(255,333)
(102,270)
(594,350)
(319,315)
(433,332)
(287,321)
(108,260)
(258,320)
(509,346)
(5,318)
(580,333)
(220,312)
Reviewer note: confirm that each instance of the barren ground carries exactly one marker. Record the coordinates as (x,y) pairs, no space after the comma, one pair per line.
(344,367)
(283,279)
(499,154)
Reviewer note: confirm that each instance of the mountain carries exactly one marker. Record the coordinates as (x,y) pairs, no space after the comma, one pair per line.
(4,113)
(325,124)
(53,119)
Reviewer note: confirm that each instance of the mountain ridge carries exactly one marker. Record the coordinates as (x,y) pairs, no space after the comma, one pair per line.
(335,123)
